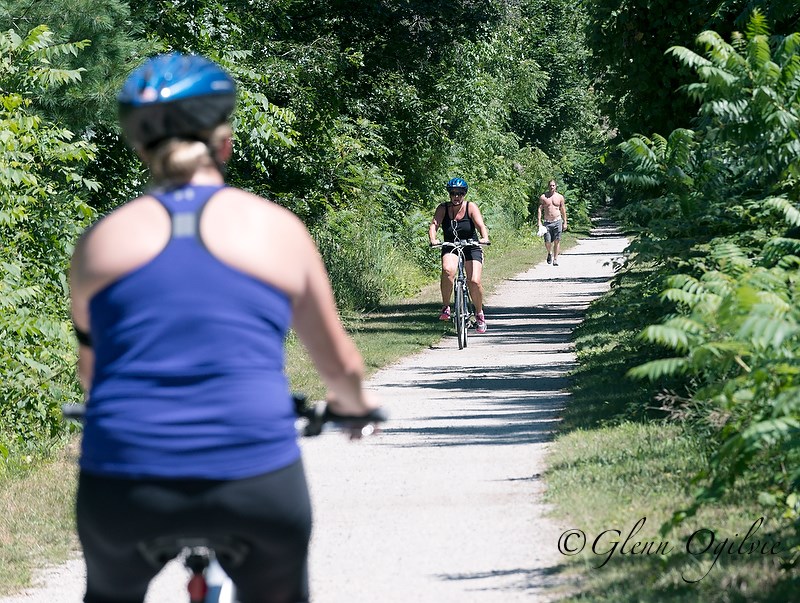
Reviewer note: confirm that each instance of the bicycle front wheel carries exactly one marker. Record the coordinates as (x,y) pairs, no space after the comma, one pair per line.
(461,316)
(221,588)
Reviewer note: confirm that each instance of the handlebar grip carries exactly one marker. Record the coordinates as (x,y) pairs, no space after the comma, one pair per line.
(377,415)
(315,417)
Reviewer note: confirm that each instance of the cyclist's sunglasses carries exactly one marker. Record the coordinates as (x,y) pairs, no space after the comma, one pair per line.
(458,193)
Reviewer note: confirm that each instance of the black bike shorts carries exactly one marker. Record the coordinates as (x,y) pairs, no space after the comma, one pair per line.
(470,253)
(270,514)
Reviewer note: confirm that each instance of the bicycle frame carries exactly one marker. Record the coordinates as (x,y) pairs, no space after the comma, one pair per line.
(463,315)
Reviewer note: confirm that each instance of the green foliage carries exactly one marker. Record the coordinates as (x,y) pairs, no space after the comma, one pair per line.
(108,51)
(719,209)
(382,103)
(636,80)
(739,331)
(357,240)
(388,101)
(42,210)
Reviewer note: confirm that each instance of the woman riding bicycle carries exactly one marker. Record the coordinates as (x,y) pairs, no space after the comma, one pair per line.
(181,300)
(460,221)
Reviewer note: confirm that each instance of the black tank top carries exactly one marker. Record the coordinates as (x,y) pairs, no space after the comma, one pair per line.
(463,229)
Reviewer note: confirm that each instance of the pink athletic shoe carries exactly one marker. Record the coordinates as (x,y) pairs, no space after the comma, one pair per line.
(445,315)
(480,325)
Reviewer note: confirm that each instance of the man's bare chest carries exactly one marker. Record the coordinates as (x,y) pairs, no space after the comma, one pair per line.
(552,202)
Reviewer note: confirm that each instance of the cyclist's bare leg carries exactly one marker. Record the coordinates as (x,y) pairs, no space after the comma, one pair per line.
(474,272)
(449,270)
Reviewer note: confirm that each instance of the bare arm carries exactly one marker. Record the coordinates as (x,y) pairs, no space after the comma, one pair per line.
(477,217)
(563,209)
(539,212)
(438,216)
(80,316)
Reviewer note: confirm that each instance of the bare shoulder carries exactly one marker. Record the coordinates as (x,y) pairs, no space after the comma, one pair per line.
(138,221)
(259,237)
(118,243)
(247,208)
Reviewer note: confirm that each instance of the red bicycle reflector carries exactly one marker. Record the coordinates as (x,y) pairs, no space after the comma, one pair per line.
(197,588)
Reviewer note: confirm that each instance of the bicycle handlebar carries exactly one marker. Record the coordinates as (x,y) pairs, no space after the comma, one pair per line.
(312,418)
(460,244)
(318,414)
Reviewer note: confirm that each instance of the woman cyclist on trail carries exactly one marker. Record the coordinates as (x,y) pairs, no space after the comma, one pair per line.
(460,220)
(181,300)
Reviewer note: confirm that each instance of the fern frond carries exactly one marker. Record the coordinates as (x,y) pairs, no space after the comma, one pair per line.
(759,52)
(788,48)
(730,258)
(696,91)
(718,282)
(711,352)
(687,324)
(790,262)
(780,204)
(639,152)
(39,37)
(778,249)
(717,76)
(680,146)
(659,146)
(712,41)
(668,336)
(634,179)
(679,296)
(783,118)
(767,331)
(685,282)
(728,110)
(687,57)
(655,369)
(757,25)
(769,283)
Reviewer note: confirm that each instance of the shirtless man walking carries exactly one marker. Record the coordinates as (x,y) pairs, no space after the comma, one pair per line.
(554,211)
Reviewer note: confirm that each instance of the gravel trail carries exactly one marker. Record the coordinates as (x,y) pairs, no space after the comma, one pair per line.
(445,506)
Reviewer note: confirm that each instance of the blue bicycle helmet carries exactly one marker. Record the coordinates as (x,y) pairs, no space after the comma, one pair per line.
(174,95)
(457,183)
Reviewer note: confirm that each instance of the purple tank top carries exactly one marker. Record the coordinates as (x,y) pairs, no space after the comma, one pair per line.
(189,375)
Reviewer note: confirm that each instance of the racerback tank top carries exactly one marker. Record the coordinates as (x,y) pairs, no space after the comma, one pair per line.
(189,375)
(464,228)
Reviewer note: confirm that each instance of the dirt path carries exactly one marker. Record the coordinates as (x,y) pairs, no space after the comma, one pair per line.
(445,506)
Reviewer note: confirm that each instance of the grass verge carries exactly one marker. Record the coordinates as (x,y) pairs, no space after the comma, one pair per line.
(618,470)
(37,525)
